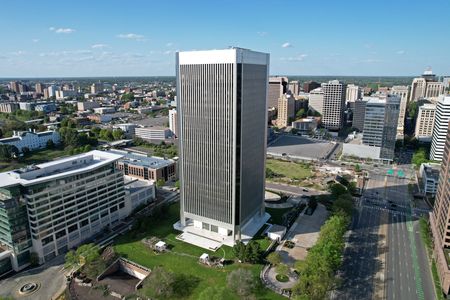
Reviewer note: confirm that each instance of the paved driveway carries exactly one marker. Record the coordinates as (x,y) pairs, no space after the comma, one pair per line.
(50,278)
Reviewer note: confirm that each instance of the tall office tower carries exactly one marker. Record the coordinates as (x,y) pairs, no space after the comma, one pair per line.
(23,88)
(39,87)
(353,93)
(425,122)
(359,113)
(434,89)
(14,86)
(286,110)
(173,121)
(46,94)
(446,83)
(402,92)
(96,88)
(310,85)
(440,220)
(277,88)
(441,118)
(52,91)
(52,207)
(222,114)
(294,87)
(380,124)
(333,104)
(418,89)
(316,100)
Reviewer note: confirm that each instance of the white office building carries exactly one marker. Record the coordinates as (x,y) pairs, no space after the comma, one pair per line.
(152,133)
(316,100)
(401,91)
(425,122)
(222,113)
(173,121)
(442,116)
(52,207)
(31,140)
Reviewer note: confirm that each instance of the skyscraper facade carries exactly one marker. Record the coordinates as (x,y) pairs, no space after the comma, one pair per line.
(442,116)
(440,220)
(286,110)
(333,104)
(425,122)
(277,87)
(173,121)
(221,104)
(402,92)
(316,100)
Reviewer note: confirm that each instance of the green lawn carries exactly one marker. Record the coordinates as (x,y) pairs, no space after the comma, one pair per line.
(289,170)
(277,214)
(36,157)
(183,257)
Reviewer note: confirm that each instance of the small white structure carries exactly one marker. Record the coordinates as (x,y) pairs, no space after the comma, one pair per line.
(160,246)
(204,258)
(276,232)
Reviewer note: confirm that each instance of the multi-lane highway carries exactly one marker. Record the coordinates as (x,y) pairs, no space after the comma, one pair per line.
(384,257)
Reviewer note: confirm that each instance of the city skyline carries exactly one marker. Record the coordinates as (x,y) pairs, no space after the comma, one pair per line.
(89,39)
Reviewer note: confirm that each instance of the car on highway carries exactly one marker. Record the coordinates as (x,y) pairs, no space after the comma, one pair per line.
(305,190)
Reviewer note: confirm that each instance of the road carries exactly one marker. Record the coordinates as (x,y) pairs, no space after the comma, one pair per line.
(385,257)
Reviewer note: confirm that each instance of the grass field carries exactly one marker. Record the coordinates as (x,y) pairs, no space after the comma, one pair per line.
(289,170)
(36,157)
(183,257)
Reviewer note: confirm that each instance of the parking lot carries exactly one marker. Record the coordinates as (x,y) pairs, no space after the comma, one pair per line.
(300,147)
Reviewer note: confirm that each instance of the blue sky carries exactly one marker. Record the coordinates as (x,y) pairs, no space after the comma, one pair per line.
(139,38)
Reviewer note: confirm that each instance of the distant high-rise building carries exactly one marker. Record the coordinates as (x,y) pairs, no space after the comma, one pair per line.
(46,95)
(359,113)
(39,87)
(425,122)
(286,110)
(23,88)
(294,87)
(222,114)
(14,86)
(426,86)
(96,88)
(353,93)
(51,91)
(316,100)
(333,104)
(440,218)
(173,121)
(442,116)
(310,85)
(380,124)
(402,92)
(277,87)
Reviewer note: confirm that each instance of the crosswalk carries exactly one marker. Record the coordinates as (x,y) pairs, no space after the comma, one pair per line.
(385,209)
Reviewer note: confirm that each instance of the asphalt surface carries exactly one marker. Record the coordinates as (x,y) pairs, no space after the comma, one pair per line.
(405,271)
(292,190)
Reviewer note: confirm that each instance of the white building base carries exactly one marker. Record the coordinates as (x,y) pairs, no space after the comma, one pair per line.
(211,240)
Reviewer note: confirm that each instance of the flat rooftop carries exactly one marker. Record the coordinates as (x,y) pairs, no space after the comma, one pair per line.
(72,165)
(134,158)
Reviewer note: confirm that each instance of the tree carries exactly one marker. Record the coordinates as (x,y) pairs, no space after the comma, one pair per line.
(294,130)
(242,282)
(247,253)
(419,157)
(85,254)
(160,182)
(162,284)
(343,203)
(239,250)
(7,152)
(337,189)
(274,258)
(50,144)
(177,184)
(357,168)
(25,151)
(301,113)
(127,97)
(118,134)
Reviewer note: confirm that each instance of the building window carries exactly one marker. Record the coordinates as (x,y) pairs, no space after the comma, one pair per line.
(205,226)
(214,228)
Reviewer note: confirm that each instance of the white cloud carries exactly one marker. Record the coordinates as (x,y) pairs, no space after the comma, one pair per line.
(262,33)
(35,40)
(286,45)
(99,46)
(62,30)
(299,57)
(170,44)
(131,36)
(370,60)
(400,52)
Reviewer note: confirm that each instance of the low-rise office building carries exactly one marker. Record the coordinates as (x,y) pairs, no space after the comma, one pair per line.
(153,133)
(425,122)
(306,125)
(146,168)
(31,140)
(87,105)
(9,107)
